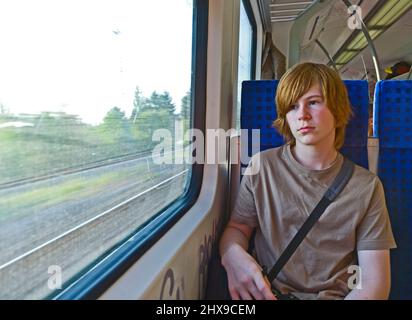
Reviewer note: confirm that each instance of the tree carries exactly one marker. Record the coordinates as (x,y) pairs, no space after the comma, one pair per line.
(114,116)
(151,114)
(115,126)
(185,111)
(186,106)
(150,120)
(162,101)
(139,104)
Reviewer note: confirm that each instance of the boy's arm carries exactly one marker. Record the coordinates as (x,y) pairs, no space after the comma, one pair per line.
(375,276)
(244,274)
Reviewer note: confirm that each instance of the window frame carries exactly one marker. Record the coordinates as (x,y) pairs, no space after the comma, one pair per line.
(94,279)
(236,121)
(252,21)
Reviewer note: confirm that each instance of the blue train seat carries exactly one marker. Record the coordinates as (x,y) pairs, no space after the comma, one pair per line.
(356,135)
(393,127)
(258,111)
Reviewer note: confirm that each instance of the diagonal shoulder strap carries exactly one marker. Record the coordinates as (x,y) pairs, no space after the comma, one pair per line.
(336,187)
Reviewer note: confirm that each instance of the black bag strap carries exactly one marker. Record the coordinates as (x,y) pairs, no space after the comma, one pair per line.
(336,187)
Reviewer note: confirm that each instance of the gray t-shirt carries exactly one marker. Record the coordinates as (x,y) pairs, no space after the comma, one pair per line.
(278,199)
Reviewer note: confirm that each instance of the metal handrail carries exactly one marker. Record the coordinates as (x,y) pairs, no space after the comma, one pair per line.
(369,40)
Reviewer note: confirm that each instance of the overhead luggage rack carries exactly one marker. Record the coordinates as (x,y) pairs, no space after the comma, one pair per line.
(282,10)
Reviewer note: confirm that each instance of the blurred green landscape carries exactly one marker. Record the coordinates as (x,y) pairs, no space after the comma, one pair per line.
(38,144)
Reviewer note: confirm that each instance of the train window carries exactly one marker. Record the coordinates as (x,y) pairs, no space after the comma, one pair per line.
(85,86)
(247,45)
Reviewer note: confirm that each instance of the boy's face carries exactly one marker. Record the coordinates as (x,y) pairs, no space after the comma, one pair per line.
(310,120)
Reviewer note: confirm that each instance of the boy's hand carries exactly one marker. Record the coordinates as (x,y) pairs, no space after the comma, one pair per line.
(245,277)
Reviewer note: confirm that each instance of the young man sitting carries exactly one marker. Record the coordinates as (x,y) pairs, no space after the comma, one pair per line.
(313,110)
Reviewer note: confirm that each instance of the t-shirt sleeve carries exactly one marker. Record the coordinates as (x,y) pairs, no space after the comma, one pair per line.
(245,209)
(374,231)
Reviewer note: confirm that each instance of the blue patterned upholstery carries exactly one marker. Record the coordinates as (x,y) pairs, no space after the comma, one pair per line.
(356,136)
(259,112)
(393,127)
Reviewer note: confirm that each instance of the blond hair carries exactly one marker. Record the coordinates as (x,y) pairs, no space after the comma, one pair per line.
(297,81)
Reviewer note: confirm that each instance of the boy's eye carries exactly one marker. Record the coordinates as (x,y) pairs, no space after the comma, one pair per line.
(294,107)
(312,102)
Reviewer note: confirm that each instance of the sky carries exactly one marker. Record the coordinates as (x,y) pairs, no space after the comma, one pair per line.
(86,56)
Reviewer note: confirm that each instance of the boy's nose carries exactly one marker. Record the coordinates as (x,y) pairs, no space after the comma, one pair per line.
(303,113)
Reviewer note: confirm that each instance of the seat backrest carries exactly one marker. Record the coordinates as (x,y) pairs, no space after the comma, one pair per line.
(356,135)
(258,111)
(393,127)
